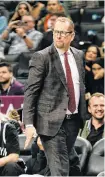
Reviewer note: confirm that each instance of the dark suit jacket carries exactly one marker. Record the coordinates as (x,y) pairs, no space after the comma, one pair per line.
(46,96)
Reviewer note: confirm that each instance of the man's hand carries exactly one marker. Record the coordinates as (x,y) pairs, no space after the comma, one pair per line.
(39,143)
(20,31)
(13,24)
(30,132)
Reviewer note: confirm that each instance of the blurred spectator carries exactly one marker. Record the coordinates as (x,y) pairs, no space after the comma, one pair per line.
(7,7)
(3,23)
(23,8)
(94,128)
(14,118)
(91,54)
(8,84)
(95,79)
(102,49)
(9,151)
(38,9)
(24,38)
(53,6)
(3,10)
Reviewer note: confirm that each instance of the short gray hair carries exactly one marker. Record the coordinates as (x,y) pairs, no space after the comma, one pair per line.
(65,19)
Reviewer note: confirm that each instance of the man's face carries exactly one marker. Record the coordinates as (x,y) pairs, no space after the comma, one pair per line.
(52,6)
(97,107)
(51,21)
(29,23)
(5,75)
(63,35)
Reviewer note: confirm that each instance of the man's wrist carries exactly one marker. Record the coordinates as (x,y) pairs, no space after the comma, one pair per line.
(29,125)
(8,29)
(24,36)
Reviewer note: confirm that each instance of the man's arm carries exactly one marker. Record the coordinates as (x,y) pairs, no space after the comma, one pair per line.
(32,92)
(6,32)
(10,158)
(20,31)
(12,146)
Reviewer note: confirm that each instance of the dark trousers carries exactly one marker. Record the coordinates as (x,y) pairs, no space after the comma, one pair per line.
(11,169)
(59,147)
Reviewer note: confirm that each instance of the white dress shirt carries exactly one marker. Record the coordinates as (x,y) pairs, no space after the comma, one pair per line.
(75,76)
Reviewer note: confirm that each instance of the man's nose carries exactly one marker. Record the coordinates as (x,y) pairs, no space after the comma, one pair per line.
(59,35)
(99,107)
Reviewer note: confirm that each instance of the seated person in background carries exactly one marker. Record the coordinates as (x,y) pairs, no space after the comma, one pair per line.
(102,49)
(14,118)
(92,52)
(94,128)
(8,84)
(24,38)
(37,164)
(53,6)
(94,80)
(23,8)
(9,151)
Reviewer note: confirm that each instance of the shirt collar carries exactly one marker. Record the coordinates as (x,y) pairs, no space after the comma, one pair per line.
(60,52)
(29,31)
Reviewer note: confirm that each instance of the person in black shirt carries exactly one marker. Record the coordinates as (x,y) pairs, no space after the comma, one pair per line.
(94,128)
(9,151)
(95,79)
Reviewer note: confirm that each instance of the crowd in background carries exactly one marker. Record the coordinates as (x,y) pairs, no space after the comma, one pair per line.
(26,27)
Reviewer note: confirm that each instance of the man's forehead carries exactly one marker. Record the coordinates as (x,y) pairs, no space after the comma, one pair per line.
(3,68)
(96,99)
(52,2)
(62,24)
(27,18)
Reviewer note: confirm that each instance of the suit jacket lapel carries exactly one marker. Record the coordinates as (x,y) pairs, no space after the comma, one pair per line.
(77,59)
(58,65)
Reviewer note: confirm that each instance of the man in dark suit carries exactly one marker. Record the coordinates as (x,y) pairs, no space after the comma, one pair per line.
(55,97)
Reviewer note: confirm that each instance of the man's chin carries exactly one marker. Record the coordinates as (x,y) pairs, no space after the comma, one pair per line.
(59,46)
(4,82)
(99,118)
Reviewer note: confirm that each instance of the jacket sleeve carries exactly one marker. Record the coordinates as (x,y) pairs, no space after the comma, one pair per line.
(33,87)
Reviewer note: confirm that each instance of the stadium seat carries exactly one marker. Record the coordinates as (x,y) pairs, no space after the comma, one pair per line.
(22,70)
(89,31)
(83,149)
(94,15)
(99,39)
(96,159)
(11,58)
(75,15)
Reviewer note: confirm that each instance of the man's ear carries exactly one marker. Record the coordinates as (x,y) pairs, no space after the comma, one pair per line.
(11,74)
(89,110)
(73,36)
